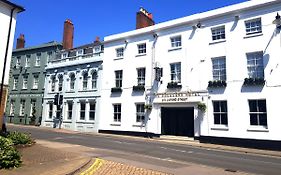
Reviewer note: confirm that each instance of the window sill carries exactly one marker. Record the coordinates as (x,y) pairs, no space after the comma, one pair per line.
(24,89)
(115,124)
(174,49)
(67,121)
(118,58)
(217,41)
(258,129)
(34,89)
(86,122)
(140,125)
(70,91)
(253,35)
(88,90)
(140,55)
(220,128)
(52,92)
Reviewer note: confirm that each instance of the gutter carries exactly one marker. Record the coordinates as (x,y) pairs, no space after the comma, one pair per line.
(6,54)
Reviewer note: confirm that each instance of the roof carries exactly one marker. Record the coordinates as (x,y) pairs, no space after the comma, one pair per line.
(49,44)
(95,43)
(20,8)
(194,19)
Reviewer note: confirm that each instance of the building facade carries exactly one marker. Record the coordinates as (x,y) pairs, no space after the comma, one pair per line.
(26,83)
(211,76)
(74,76)
(8,16)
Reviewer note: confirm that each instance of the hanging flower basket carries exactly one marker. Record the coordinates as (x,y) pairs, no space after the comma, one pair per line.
(202,107)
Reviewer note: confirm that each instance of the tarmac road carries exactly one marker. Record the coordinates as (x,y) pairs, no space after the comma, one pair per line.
(151,150)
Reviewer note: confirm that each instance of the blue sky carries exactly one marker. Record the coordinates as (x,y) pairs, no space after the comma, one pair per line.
(43,19)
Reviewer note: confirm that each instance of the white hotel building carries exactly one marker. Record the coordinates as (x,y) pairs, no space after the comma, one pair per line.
(155,79)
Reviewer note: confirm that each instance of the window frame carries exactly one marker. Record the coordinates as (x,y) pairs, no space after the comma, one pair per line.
(60,83)
(38,59)
(53,84)
(253,70)
(218,33)
(35,82)
(94,80)
(220,113)
(85,81)
(15,83)
(22,107)
(251,30)
(176,41)
(92,111)
(32,104)
(27,60)
(82,111)
(141,48)
(141,76)
(24,82)
(117,114)
(69,111)
(72,82)
(118,78)
(219,73)
(12,107)
(258,113)
(140,113)
(50,110)
(175,72)
(120,52)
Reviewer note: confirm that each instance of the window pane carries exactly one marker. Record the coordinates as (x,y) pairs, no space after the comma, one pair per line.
(224,119)
(262,105)
(253,119)
(216,106)
(253,105)
(223,106)
(217,119)
(263,119)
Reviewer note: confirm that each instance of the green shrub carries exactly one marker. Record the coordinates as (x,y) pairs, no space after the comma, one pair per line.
(9,156)
(19,138)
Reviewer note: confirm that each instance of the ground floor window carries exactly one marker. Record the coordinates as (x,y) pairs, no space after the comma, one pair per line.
(69,110)
(22,107)
(12,107)
(32,107)
(258,114)
(140,112)
(51,106)
(220,112)
(82,110)
(92,111)
(117,113)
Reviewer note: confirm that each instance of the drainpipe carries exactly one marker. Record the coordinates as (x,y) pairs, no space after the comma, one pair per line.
(6,54)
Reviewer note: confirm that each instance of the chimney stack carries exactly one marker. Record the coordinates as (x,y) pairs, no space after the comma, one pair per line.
(20,42)
(144,19)
(97,39)
(68,32)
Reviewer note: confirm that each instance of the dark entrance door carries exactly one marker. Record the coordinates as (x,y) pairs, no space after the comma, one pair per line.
(177,121)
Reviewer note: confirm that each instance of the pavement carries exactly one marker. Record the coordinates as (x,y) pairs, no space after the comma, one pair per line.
(55,158)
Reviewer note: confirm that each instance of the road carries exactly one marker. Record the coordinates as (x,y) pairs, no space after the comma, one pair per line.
(174,154)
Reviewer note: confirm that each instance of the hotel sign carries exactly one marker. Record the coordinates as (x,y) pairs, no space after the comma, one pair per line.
(177,97)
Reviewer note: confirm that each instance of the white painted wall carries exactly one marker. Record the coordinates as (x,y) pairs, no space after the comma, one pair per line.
(5,12)
(196,65)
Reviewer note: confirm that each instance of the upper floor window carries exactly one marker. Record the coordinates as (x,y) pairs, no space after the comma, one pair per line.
(24,82)
(176,41)
(255,65)
(118,78)
(219,68)
(97,49)
(92,110)
(142,48)
(49,56)
(64,55)
(218,33)
(176,72)
(60,82)
(140,113)
(94,79)
(38,59)
(27,61)
(119,52)
(141,76)
(72,81)
(18,62)
(258,114)
(35,82)
(85,81)
(79,52)
(253,26)
(117,113)
(16,82)
(220,112)
(53,83)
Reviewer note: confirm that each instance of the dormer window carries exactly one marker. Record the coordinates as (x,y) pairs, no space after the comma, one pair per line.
(64,55)
(79,52)
(97,49)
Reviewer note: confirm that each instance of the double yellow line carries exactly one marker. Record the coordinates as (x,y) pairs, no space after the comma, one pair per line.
(93,168)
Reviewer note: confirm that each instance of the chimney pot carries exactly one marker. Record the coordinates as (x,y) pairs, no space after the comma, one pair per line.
(144,19)
(20,42)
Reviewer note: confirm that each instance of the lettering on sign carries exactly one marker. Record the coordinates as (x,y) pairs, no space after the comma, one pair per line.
(175,97)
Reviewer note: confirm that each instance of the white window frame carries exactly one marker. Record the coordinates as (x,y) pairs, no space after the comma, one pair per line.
(97,49)
(92,111)
(255,64)
(118,78)
(69,111)
(18,62)
(79,52)
(141,48)
(175,72)
(253,26)
(72,82)
(140,113)
(50,110)
(85,81)
(141,76)
(176,41)
(117,114)
(35,81)
(24,82)
(220,112)
(82,111)
(218,33)
(94,79)
(16,83)
(32,104)
(120,52)
(53,84)
(219,68)
(60,83)
(64,55)
(38,59)
(258,113)
(27,60)
(12,107)
(49,56)
(22,107)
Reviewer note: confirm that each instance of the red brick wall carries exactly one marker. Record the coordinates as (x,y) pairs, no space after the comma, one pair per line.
(68,32)
(143,21)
